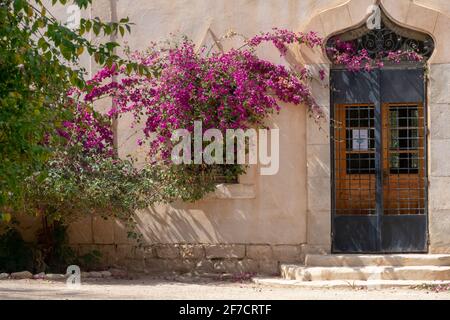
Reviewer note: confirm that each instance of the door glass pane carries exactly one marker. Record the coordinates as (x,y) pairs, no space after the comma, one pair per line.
(404,162)
(354,154)
(360,140)
(404,171)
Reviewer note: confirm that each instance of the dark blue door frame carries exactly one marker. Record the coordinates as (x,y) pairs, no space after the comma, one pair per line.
(378,232)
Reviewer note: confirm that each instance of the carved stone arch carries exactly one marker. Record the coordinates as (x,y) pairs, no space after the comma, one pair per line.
(405,13)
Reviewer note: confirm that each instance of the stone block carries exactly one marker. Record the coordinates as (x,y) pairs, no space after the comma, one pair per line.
(358,9)
(319,194)
(439,226)
(80,232)
(95,274)
(318,160)
(440,155)
(204,266)
(422,18)
(149,252)
(439,84)
(318,132)
(192,251)
(108,254)
(439,193)
(86,249)
(313,56)
(319,227)
(55,276)
(319,88)
(170,265)
(287,253)
(315,249)
(124,251)
(28,226)
(247,266)
(139,252)
(167,251)
(136,265)
(269,267)
(335,19)
(103,230)
(4,276)
(154,265)
(226,266)
(121,233)
(118,273)
(106,274)
(398,9)
(21,275)
(224,251)
(442,36)
(439,120)
(182,265)
(259,251)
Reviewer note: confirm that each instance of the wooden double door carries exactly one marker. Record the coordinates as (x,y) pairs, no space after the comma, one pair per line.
(379,165)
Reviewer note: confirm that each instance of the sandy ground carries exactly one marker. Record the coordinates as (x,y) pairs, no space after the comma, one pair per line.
(161,289)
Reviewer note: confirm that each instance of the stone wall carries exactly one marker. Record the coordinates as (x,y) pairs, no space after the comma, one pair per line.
(198,258)
(439,156)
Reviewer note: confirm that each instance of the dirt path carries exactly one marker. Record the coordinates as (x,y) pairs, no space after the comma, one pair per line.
(167,289)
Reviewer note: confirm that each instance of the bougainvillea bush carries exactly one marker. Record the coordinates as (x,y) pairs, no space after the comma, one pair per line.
(180,84)
(345,53)
(225,90)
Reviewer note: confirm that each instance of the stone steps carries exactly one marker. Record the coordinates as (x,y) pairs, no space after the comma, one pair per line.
(391,267)
(355,260)
(296,272)
(346,284)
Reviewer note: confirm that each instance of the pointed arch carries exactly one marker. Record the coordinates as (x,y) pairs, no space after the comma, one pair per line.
(405,13)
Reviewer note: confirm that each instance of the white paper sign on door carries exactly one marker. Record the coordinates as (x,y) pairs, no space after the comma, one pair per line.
(360,138)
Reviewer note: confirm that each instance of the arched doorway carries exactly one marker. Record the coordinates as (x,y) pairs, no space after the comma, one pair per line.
(378,145)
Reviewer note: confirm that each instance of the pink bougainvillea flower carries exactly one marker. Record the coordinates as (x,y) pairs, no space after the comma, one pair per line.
(225,90)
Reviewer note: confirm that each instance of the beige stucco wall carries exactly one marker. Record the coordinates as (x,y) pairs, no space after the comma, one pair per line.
(292,207)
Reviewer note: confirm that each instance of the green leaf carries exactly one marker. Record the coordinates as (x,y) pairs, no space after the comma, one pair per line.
(96,28)
(41,23)
(88,25)
(29,11)
(18,5)
(43,44)
(80,50)
(129,68)
(6,217)
(67,54)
